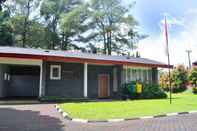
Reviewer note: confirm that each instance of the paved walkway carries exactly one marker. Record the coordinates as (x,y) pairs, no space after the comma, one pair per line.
(34,117)
(43,117)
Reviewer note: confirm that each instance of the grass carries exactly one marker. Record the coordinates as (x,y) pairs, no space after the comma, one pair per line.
(128,109)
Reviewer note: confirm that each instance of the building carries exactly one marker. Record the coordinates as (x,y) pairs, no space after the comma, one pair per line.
(195,63)
(36,73)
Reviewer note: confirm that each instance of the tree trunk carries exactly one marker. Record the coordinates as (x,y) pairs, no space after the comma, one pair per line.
(110,43)
(25,26)
(104,42)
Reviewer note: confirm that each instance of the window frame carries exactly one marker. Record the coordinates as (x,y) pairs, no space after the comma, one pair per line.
(51,72)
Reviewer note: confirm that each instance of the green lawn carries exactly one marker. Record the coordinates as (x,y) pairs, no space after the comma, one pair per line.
(128,109)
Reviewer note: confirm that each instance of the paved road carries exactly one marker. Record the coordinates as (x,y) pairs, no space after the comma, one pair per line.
(43,117)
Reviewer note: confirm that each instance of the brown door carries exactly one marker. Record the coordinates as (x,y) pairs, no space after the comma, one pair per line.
(103,86)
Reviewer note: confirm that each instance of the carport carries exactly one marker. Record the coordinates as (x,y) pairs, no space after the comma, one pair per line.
(20,77)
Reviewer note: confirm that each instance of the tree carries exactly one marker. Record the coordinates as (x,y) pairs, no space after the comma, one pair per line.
(114,25)
(6,32)
(193,76)
(73,25)
(1,2)
(164,81)
(57,14)
(22,12)
(178,79)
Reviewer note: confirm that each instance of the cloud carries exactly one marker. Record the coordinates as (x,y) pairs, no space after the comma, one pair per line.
(154,47)
(173,20)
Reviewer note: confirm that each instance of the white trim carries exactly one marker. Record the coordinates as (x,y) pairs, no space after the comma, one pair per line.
(85,80)
(41,76)
(108,76)
(115,120)
(51,72)
(5,76)
(146,117)
(19,61)
(8,77)
(79,120)
(134,67)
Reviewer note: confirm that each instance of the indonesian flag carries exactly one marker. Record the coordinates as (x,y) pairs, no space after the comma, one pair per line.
(166,36)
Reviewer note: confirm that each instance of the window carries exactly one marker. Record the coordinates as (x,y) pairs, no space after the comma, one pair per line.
(55,72)
(137,74)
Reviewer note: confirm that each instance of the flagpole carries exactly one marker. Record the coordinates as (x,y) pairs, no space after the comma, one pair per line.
(168,55)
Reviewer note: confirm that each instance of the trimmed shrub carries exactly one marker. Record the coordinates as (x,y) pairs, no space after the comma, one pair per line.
(193,76)
(152,91)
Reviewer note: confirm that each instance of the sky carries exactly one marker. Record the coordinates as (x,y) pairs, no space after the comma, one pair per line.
(182,20)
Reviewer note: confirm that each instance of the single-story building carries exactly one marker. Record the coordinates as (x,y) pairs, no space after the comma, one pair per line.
(26,72)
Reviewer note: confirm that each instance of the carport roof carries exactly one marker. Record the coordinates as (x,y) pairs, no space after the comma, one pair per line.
(67,56)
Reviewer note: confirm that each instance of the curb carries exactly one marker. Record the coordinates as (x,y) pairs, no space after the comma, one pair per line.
(67,117)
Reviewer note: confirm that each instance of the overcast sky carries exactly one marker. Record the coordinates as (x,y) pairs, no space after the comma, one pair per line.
(182,17)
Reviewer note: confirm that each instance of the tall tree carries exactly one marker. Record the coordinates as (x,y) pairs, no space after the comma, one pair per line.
(22,12)
(1,2)
(53,12)
(6,32)
(73,26)
(115,24)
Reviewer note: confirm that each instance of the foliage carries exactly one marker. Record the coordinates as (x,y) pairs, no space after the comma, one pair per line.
(179,76)
(6,31)
(61,99)
(64,19)
(1,1)
(178,79)
(22,15)
(34,36)
(164,80)
(114,25)
(193,76)
(194,90)
(72,24)
(150,91)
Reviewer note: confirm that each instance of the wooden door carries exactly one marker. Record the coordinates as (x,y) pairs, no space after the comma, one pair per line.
(103,86)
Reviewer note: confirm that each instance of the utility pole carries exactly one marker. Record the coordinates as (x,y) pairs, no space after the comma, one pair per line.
(189,58)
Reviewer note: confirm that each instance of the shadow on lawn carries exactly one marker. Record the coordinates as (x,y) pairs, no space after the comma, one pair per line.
(23,120)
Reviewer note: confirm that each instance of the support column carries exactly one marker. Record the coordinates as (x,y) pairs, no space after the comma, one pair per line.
(85,80)
(41,76)
(42,79)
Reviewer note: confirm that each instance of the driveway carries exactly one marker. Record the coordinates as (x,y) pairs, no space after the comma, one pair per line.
(34,117)
(43,117)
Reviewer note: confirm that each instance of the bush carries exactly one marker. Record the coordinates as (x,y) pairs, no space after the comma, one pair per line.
(179,89)
(193,76)
(61,99)
(194,90)
(150,91)
(178,80)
